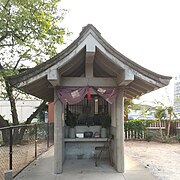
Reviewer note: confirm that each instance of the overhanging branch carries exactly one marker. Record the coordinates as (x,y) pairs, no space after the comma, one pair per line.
(35,113)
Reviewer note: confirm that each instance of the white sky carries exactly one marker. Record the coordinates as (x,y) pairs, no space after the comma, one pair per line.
(146,31)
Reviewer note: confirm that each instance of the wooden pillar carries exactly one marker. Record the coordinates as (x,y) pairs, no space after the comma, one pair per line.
(113,130)
(58,135)
(120,131)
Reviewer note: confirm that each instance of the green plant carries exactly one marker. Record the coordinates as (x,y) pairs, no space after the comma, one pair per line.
(178,138)
(71,119)
(30,33)
(105,120)
(135,125)
(148,136)
(1,142)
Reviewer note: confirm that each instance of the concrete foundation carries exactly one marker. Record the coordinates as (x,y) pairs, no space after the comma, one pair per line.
(8,175)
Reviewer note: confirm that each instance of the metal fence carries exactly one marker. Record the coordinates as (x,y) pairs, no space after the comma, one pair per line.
(20,145)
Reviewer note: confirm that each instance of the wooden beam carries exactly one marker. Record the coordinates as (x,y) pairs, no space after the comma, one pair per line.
(106,65)
(144,84)
(138,87)
(125,77)
(89,64)
(134,90)
(131,93)
(53,77)
(82,82)
(128,96)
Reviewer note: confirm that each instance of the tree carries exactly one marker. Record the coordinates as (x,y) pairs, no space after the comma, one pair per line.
(159,114)
(164,113)
(30,32)
(128,105)
(170,113)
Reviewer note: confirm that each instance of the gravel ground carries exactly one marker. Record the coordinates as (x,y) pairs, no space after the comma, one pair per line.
(163,160)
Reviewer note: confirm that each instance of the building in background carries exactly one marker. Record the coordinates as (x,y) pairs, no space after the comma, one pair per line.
(25,107)
(177,94)
(142,112)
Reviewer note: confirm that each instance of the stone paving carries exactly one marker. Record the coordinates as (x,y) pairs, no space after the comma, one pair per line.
(84,169)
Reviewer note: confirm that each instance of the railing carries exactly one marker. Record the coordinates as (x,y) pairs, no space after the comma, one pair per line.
(155,124)
(20,145)
(132,134)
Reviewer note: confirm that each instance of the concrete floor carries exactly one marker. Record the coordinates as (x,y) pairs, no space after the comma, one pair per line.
(84,169)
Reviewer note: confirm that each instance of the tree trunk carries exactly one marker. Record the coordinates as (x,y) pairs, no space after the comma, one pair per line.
(160,129)
(17,137)
(13,109)
(5,132)
(169,127)
(11,98)
(12,103)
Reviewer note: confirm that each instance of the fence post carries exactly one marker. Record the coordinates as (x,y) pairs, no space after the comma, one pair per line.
(35,131)
(10,148)
(47,135)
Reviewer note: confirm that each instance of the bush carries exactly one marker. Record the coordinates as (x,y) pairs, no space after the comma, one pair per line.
(178,138)
(148,136)
(135,125)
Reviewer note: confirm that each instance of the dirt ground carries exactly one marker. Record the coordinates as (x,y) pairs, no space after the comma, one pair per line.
(163,160)
(21,156)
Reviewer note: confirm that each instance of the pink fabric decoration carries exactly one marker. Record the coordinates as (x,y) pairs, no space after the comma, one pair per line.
(109,94)
(89,94)
(71,95)
(75,95)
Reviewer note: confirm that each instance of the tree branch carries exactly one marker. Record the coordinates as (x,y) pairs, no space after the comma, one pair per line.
(20,59)
(3,122)
(5,7)
(35,113)
(3,37)
(6,3)
(4,45)
(28,121)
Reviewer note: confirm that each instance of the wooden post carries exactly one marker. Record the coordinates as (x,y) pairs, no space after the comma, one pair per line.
(58,135)
(120,131)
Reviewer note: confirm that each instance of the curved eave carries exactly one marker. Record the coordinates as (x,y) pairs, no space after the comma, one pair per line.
(43,66)
(34,81)
(155,76)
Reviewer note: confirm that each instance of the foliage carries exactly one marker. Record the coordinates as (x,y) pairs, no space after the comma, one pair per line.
(105,120)
(164,113)
(135,125)
(41,115)
(128,104)
(148,136)
(178,138)
(71,119)
(30,32)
